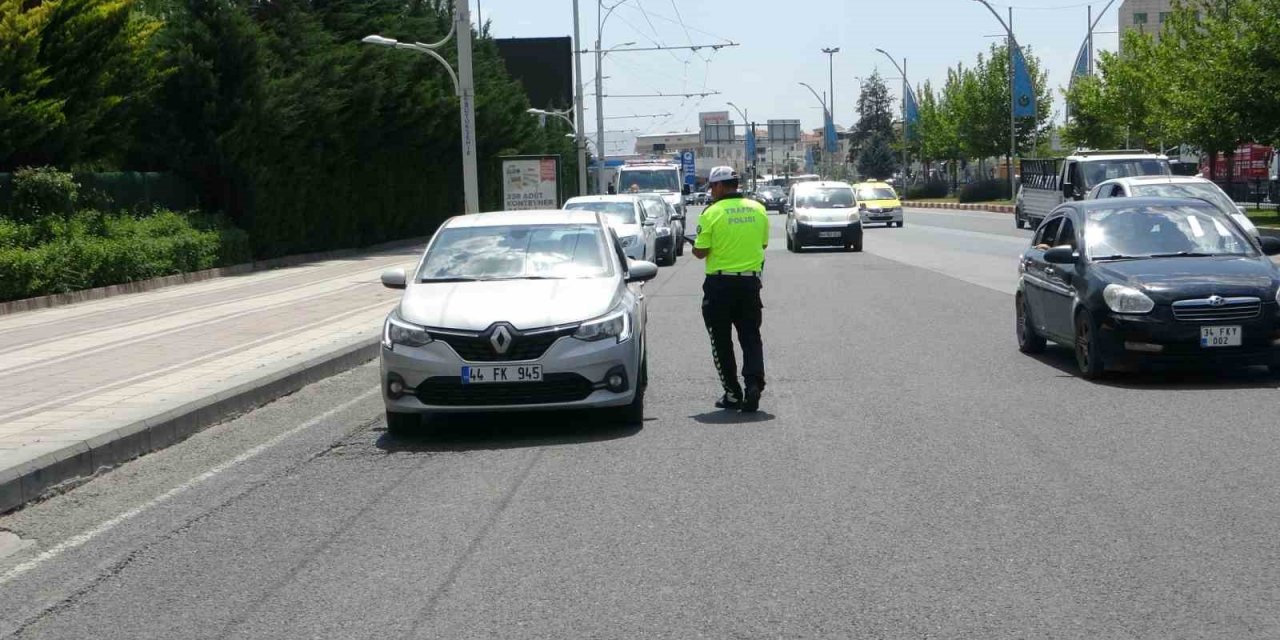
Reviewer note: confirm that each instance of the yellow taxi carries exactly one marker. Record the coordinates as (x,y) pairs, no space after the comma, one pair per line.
(878,203)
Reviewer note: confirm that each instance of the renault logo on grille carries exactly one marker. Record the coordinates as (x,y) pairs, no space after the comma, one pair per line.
(1216,301)
(501,340)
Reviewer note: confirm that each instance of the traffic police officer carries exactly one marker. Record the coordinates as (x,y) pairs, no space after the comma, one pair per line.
(732,235)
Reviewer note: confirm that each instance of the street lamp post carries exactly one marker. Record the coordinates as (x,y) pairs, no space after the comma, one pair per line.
(579,141)
(579,138)
(748,159)
(601,17)
(1013,119)
(825,114)
(464,88)
(831,112)
(905,88)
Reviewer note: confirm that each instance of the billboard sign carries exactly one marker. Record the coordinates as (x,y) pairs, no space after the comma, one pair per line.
(784,132)
(688,167)
(712,117)
(718,133)
(530,182)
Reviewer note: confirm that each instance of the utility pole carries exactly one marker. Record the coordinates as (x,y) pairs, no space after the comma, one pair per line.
(463,87)
(579,126)
(906,88)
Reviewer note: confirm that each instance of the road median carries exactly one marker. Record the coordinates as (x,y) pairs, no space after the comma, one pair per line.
(956,206)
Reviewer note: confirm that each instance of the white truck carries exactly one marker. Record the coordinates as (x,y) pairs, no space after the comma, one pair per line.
(660,176)
(1047,183)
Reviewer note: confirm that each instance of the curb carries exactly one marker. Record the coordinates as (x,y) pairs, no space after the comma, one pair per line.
(992,208)
(67,467)
(139,286)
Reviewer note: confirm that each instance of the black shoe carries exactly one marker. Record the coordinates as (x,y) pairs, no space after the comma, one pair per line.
(752,402)
(725,402)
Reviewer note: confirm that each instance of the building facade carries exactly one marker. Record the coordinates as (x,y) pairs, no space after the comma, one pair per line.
(1144,16)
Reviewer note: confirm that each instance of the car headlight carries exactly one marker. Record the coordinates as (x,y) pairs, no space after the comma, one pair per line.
(802,217)
(396,331)
(615,325)
(1122,299)
(855,217)
(1278,294)
(629,241)
(664,232)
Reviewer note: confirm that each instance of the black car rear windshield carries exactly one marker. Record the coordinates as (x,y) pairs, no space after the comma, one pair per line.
(516,252)
(1162,231)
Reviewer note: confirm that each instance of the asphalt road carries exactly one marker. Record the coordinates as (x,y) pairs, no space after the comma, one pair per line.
(911,476)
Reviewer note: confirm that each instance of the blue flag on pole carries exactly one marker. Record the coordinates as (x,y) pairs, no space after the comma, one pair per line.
(1079,70)
(1024,92)
(829,135)
(751,145)
(913,112)
(808,159)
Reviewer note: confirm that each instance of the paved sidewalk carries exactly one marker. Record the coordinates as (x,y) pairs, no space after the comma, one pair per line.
(89,385)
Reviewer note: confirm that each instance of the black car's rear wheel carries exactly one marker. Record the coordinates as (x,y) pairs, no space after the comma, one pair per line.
(1028,340)
(1088,353)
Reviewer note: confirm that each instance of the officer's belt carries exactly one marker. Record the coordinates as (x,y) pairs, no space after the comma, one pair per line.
(745,274)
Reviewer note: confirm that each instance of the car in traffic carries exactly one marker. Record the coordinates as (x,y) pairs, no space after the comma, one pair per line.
(823,213)
(625,214)
(668,232)
(514,311)
(1149,281)
(773,198)
(878,203)
(704,197)
(1175,187)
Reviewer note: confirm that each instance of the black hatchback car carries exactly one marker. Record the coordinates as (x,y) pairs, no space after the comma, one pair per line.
(1137,281)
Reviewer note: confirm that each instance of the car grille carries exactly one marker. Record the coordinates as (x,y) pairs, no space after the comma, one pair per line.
(554,388)
(1217,309)
(476,347)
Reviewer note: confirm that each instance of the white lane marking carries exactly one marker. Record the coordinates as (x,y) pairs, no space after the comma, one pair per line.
(83,538)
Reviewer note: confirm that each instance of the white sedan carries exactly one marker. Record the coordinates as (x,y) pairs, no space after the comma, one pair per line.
(1175,187)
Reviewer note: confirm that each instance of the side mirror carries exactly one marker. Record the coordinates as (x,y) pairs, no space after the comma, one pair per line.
(686,190)
(394,278)
(641,271)
(1061,255)
(650,222)
(1270,245)
(1068,190)
(862,206)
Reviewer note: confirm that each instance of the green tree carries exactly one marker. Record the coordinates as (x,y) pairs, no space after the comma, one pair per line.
(877,160)
(74,75)
(875,116)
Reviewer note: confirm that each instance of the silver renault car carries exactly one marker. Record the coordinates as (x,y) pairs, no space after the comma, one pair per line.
(514,311)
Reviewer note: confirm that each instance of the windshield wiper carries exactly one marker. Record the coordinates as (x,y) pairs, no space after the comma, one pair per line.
(454,279)
(1118,256)
(1183,254)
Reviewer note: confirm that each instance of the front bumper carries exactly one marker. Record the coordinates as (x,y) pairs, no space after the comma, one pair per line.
(573,374)
(1157,340)
(881,216)
(809,234)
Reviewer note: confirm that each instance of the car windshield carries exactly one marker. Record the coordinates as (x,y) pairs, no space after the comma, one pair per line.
(829,198)
(1162,231)
(876,193)
(1187,190)
(615,212)
(516,252)
(646,181)
(1097,171)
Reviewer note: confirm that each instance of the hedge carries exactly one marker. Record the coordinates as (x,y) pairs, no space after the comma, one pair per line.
(985,191)
(92,249)
(931,189)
